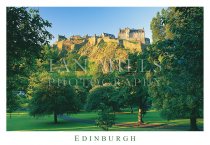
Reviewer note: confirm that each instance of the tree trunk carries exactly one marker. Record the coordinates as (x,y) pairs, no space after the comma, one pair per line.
(131,109)
(193,124)
(140,121)
(55,118)
(193,120)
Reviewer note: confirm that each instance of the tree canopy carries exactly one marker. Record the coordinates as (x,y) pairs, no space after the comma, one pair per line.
(180,90)
(26,33)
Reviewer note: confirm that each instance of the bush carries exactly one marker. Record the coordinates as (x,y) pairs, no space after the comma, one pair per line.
(105,118)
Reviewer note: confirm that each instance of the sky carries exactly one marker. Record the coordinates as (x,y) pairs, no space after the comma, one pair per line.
(96,20)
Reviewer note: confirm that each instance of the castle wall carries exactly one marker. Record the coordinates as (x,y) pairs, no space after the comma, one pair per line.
(122,36)
(60,45)
(92,40)
(106,39)
(142,38)
(130,34)
(135,36)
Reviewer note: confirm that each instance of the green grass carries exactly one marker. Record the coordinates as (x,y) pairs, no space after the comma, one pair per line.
(24,122)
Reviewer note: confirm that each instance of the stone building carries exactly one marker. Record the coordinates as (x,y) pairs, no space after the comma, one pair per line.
(60,38)
(107,35)
(132,34)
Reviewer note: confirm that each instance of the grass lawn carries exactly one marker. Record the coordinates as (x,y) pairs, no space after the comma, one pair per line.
(24,122)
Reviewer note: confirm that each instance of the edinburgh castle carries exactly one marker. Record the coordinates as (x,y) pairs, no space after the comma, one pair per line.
(129,40)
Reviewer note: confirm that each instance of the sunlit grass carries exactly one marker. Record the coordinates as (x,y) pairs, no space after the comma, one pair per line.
(23,122)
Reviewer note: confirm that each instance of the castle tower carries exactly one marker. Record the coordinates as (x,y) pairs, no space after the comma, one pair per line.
(94,39)
(60,38)
(132,34)
(142,36)
(127,33)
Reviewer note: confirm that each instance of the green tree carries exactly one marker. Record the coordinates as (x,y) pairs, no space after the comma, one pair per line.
(106,95)
(104,99)
(179,93)
(51,99)
(26,33)
(81,93)
(160,29)
(13,103)
(136,91)
(47,96)
(106,118)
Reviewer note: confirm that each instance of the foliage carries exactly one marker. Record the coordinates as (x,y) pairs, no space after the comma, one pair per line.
(179,92)
(106,118)
(26,33)
(51,99)
(47,95)
(135,92)
(81,93)
(13,103)
(160,29)
(104,99)
(103,95)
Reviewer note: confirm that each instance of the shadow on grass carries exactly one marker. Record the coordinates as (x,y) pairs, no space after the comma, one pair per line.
(124,122)
(156,126)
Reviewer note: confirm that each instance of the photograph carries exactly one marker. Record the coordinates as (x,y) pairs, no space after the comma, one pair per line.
(104,69)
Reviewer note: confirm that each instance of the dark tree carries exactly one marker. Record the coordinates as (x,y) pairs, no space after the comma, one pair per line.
(51,99)
(26,33)
(179,93)
(136,92)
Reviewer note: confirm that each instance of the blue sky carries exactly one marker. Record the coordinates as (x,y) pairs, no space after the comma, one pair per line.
(96,20)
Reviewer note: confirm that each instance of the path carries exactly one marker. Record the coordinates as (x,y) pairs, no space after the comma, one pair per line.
(68,118)
(128,124)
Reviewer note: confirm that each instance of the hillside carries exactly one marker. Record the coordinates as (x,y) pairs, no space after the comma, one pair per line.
(99,47)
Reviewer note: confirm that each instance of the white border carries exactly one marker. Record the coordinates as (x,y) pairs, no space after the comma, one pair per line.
(67,138)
